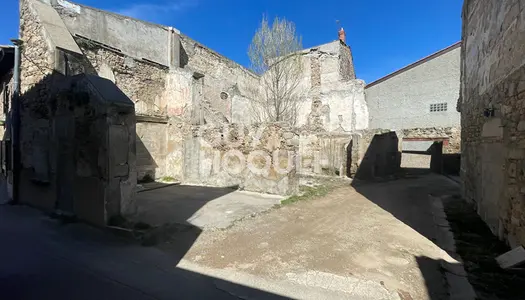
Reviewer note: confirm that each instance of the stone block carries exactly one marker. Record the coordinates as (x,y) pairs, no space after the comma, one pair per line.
(512,258)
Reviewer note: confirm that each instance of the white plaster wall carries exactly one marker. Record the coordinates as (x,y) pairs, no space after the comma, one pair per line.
(178,93)
(361,113)
(403,101)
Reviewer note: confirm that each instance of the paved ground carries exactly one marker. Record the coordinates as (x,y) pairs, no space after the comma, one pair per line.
(42,259)
(377,234)
(203,207)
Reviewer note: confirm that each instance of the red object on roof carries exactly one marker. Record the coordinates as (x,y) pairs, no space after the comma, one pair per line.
(342,35)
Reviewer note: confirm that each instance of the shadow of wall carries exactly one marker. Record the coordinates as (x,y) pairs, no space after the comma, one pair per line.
(381,157)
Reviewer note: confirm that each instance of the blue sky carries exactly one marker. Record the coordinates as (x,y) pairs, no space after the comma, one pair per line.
(385,35)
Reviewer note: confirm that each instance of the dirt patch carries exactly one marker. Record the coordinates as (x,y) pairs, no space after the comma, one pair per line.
(478,248)
(372,232)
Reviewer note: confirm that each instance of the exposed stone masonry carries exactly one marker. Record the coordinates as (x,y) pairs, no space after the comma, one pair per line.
(492,114)
(450,134)
(139,80)
(346,67)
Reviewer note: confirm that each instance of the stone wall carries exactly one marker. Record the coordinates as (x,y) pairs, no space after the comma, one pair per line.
(141,81)
(39,63)
(77,132)
(491,105)
(258,158)
(323,154)
(145,83)
(450,136)
(182,84)
(334,99)
(227,86)
(346,64)
(374,154)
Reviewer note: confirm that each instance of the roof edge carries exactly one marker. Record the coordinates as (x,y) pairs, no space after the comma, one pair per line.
(415,64)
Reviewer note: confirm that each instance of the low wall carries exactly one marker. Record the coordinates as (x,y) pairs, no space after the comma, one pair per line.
(259,158)
(323,154)
(450,136)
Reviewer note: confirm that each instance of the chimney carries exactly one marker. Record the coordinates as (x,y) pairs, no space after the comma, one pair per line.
(342,35)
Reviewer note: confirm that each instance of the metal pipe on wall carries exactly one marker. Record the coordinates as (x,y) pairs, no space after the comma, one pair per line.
(15,121)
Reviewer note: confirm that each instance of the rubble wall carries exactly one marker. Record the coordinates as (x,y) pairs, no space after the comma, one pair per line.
(227,86)
(259,158)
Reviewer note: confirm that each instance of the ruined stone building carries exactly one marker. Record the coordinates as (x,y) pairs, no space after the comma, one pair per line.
(493,114)
(82,152)
(107,101)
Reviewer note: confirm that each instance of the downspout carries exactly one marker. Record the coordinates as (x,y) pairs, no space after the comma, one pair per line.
(15,121)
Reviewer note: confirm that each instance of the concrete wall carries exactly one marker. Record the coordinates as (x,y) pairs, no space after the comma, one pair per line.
(132,37)
(493,147)
(403,101)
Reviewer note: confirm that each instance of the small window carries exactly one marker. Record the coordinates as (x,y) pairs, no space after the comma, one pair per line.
(438,107)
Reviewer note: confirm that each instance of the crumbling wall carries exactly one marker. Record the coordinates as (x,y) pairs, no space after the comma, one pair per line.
(334,99)
(346,65)
(141,81)
(450,136)
(491,105)
(323,154)
(228,87)
(132,37)
(145,83)
(258,158)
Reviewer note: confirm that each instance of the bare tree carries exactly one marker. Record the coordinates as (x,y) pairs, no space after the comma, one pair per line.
(275,55)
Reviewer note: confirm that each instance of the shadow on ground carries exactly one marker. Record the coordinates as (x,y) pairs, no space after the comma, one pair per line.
(478,248)
(383,177)
(44,259)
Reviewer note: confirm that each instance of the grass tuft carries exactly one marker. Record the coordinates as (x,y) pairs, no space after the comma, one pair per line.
(306,193)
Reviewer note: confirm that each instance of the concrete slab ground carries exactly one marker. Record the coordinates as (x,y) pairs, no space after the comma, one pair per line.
(203,207)
(378,235)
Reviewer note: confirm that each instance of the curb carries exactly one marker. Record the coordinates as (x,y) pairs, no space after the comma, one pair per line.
(459,288)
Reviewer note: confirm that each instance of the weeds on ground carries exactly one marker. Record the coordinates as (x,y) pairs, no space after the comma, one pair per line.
(306,193)
(168,179)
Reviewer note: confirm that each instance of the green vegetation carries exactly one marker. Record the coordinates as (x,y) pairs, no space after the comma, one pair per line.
(168,179)
(306,193)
